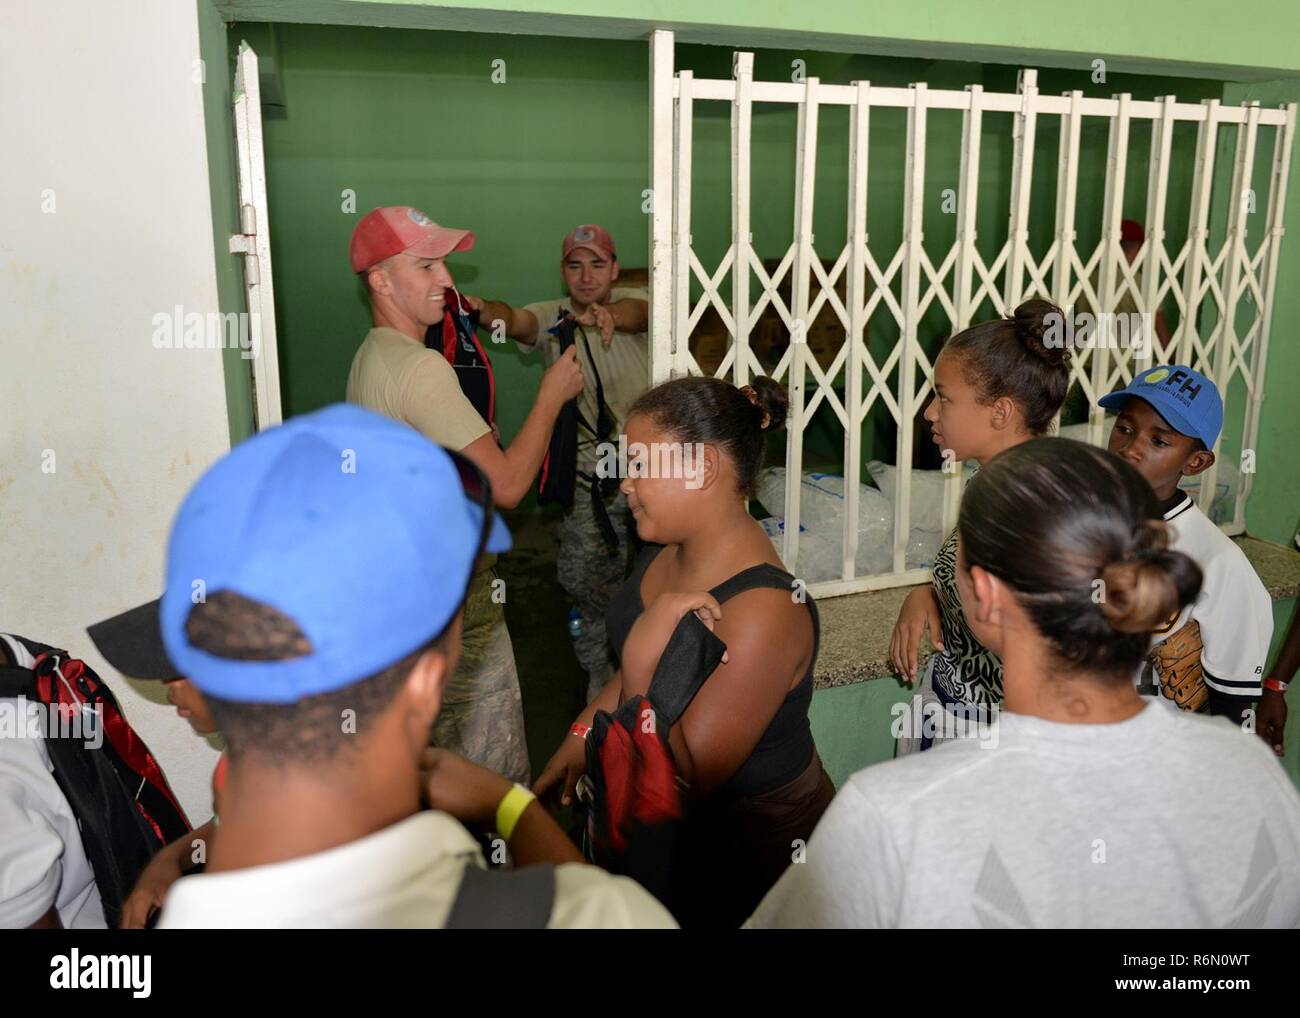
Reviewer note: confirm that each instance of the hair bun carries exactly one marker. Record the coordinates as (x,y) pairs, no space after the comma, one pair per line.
(1150,584)
(770,399)
(1150,538)
(1138,595)
(1033,320)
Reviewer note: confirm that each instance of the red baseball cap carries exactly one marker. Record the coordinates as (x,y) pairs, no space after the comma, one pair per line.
(385,232)
(1131,232)
(591,236)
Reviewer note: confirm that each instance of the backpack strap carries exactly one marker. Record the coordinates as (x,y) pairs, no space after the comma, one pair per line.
(767,575)
(15,681)
(34,647)
(604,419)
(689,658)
(601,487)
(762,575)
(693,651)
(519,899)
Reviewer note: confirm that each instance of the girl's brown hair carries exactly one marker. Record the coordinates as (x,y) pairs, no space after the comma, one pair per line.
(1011,357)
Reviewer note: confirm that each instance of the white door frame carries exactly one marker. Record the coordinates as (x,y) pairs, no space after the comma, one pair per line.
(254,240)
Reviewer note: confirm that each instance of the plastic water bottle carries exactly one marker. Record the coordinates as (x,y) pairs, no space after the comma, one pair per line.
(575,624)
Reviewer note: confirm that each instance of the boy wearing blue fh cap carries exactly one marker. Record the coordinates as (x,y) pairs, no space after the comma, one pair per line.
(315,585)
(1210,657)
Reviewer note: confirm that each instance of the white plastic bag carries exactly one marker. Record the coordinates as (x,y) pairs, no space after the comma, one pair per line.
(821,525)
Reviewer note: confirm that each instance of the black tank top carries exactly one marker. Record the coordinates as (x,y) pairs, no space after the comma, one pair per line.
(786,747)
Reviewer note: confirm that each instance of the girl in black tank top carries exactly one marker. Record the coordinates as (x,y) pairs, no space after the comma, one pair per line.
(786,747)
(756,786)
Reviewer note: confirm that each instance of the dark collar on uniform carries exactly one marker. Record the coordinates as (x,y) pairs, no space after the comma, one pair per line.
(1177,504)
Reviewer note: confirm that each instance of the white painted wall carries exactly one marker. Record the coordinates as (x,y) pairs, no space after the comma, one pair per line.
(100,108)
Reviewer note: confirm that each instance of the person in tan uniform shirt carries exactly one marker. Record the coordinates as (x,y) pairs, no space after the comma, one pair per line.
(400,255)
(613,346)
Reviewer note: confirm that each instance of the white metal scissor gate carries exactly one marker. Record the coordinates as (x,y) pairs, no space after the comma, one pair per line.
(1224,296)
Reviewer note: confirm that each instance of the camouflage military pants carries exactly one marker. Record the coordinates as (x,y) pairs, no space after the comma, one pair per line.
(482,716)
(591,576)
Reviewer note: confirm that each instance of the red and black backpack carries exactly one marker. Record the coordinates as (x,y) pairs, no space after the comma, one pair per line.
(124,807)
(636,799)
(456,338)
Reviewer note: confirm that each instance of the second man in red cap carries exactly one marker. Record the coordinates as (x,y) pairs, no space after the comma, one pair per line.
(607,326)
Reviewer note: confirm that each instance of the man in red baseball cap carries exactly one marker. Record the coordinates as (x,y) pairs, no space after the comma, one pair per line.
(608,328)
(400,255)
(384,232)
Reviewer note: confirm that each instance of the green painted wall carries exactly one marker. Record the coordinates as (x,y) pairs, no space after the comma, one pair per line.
(851,725)
(1248,34)
(414,118)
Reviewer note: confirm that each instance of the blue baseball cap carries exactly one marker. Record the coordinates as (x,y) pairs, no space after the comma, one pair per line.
(355,526)
(1184,397)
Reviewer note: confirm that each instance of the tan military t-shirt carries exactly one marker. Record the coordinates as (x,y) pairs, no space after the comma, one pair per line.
(401,378)
(624,367)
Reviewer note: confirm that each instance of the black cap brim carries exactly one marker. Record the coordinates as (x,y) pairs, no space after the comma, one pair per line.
(132,643)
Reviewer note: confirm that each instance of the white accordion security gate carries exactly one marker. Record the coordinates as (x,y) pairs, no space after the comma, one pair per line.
(1238,279)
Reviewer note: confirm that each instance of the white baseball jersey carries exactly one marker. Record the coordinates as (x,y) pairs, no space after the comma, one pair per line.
(1233,609)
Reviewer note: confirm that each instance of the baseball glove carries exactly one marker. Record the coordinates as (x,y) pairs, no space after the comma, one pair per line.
(1177,660)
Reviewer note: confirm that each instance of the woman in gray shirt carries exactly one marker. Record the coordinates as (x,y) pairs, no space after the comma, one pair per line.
(1079,804)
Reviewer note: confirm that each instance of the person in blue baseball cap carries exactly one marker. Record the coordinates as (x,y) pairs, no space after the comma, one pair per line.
(315,585)
(1208,658)
(1188,404)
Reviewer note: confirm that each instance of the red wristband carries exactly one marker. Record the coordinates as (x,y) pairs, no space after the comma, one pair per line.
(1276,685)
(580,730)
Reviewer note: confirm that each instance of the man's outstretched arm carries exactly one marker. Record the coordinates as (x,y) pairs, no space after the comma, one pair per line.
(520,323)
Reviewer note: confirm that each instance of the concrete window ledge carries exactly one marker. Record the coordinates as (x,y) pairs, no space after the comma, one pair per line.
(856,628)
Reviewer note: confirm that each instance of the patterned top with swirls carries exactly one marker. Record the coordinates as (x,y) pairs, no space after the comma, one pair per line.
(966,671)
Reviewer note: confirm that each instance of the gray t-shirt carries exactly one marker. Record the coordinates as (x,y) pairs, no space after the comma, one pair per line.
(1164,820)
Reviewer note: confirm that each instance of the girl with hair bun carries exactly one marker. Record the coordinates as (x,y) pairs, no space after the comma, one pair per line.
(744,745)
(997,384)
(1082,804)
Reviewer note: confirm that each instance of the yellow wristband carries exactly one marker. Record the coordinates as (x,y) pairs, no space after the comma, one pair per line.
(511,808)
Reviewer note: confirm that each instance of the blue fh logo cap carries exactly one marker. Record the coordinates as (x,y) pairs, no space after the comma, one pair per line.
(1188,401)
